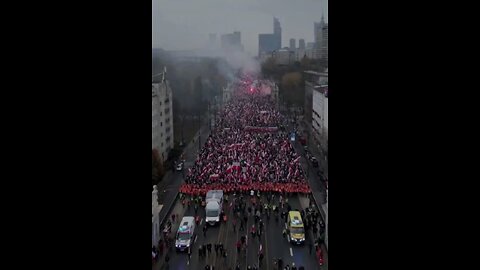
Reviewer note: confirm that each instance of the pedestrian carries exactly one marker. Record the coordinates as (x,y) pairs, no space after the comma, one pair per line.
(189,254)
(239,245)
(209,248)
(205,230)
(284,233)
(173,218)
(216,249)
(241,225)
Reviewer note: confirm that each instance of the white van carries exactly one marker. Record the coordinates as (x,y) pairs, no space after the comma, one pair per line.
(185,234)
(213,208)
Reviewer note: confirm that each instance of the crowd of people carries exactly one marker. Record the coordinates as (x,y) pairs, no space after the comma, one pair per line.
(247,151)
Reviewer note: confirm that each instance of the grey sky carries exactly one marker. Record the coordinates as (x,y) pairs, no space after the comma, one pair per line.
(185,24)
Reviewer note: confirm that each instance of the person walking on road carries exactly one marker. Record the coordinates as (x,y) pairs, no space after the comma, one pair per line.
(205,230)
(253,231)
(209,248)
(241,225)
(239,246)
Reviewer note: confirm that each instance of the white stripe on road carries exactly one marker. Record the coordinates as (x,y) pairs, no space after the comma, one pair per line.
(195,239)
(291,252)
(288,237)
(201,220)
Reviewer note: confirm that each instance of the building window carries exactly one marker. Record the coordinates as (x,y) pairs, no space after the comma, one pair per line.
(161,124)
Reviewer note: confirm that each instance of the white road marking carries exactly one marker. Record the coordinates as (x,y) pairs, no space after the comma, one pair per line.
(288,237)
(291,252)
(201,220)
(195,240)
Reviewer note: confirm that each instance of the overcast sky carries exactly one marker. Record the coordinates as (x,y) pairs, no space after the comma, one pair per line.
(185,24)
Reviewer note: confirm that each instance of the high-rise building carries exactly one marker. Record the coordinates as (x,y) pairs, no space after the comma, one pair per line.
(277,31)
(301,44)
(324,49)
(292,44)
(268,43)
(317,32)
(232,42)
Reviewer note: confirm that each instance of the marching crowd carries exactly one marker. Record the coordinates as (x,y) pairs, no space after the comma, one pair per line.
(247,151)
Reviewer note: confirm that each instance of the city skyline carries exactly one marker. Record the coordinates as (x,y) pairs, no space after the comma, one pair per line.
(186,24)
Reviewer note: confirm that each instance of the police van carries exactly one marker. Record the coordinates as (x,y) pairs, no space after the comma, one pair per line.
(186,234)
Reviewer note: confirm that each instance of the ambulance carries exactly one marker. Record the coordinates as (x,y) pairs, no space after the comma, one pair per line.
(185,234)
(296,228)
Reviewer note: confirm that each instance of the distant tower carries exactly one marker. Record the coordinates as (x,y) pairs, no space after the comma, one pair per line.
(301,44)
(277,32)
(292,44)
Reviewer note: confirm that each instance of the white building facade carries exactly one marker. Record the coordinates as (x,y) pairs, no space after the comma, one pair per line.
(162,116)
(155,217)
(320,115)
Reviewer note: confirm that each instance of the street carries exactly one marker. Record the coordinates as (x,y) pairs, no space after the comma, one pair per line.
(274,245)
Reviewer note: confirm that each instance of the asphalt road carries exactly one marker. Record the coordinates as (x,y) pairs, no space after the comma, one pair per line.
(272,241)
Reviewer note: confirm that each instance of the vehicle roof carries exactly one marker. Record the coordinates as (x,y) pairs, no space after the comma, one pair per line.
(295,219)
(187,219)
(212,204)
(215,193)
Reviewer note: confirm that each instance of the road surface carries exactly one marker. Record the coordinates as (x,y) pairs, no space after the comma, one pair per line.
(272,241)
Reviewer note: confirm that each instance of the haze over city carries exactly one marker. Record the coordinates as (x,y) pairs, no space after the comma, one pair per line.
(186,24)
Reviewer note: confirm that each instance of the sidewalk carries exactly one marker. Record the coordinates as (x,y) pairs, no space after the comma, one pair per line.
(314,150)
(170,184)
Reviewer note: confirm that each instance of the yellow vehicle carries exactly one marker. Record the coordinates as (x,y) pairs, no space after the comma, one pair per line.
(296,228)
